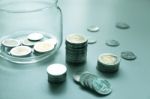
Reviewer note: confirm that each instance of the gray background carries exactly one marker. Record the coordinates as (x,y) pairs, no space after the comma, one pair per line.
(131,82)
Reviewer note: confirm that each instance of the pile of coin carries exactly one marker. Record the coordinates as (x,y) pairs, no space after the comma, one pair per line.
(108,63)
(56,73)
(76,48)
(24,46)
(93,82)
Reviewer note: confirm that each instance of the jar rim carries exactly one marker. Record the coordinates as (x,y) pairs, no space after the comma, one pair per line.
(25,6)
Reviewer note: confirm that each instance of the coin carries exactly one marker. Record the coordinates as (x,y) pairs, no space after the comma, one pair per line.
(10,43)
(112,43)
(52,40)
(35,36)
(91,40)
(128,55)
(76,39)
(76,77)
(42,47)
(20,51)
(101,87)
(56,73)
(93,28)
(122,25)
(27,42)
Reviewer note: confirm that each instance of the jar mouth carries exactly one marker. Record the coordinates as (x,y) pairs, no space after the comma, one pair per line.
(25,6)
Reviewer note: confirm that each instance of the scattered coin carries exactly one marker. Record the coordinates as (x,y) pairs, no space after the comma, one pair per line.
(91,40)
(10,43)
(52,40)
(35,36)
(93,28)
(122,25)
(56,73)
(128,55)
(112,43)
(20,51)
(76,77)
(42,47)
(108,62)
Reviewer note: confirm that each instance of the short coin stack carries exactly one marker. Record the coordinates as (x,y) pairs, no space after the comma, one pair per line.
(56,73)
(76,48)
(93,82)
(108,62)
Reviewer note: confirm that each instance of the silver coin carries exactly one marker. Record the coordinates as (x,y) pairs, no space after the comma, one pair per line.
(83,77)
(35,36)
(42,47)
(76,77)
(122,25)
(101,87)
(93,28)
(52,41)
(112,43)
(91,40)
(27,42)
(128,55)
(20,51)
(76,39)
(10,43)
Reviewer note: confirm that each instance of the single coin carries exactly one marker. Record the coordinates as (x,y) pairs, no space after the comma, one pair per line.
(42,47)
(56,69)
(20,51)
(76,39)
(112,43)
(128,55)
(91,40)
(101,87)
(35,36)
(10,43)
(122,25)
(76,77)
(27,42)
(109,59)
(93,28)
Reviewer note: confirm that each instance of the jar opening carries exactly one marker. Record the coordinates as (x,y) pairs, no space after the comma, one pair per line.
(26,6)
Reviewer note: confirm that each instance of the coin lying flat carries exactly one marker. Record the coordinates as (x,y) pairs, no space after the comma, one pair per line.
(93,28)
(91,40)
(10,43)
(52,41)
(122,25)
(20,51)
(42,47)
(128,55)
(35,36)
(108,62)
(112,43)
(27,42)
(76,39)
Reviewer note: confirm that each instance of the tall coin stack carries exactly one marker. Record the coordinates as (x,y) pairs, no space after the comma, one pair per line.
(76,48)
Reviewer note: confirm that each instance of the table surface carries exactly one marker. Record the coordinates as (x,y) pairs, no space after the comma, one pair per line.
(132,81)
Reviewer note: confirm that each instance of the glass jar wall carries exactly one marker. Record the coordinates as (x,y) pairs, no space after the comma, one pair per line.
(34,24)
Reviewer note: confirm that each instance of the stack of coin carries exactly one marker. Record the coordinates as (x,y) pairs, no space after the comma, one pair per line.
(56,73)
(93,82)
(108,62)
(76,48)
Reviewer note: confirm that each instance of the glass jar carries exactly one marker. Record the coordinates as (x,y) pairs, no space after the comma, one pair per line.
(21,18)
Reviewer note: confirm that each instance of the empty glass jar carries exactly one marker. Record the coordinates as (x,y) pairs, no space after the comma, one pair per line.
(30,30)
